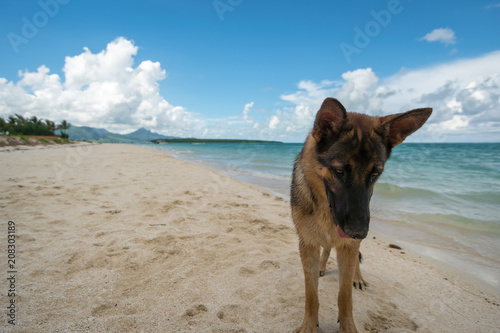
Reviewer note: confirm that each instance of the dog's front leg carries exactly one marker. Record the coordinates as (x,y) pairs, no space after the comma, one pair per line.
(310,263)
(347,258)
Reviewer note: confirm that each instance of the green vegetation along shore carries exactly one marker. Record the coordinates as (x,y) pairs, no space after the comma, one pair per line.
(18,125)
(23,140)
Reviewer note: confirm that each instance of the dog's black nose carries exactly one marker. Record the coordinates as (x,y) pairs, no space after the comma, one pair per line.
(356,234)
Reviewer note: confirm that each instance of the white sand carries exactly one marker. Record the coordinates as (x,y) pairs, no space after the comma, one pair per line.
(117,238)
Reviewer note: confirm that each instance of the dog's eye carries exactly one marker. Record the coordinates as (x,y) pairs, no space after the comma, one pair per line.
(374,176)
(339,172)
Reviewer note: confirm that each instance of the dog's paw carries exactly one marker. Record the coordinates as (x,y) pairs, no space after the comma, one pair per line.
(347,327)
(307,327)
(358,281)
(321,273)
(306,330)
(360,284)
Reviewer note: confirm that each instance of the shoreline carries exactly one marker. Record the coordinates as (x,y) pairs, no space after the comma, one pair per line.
(443,250)
(440,264)
(132,239)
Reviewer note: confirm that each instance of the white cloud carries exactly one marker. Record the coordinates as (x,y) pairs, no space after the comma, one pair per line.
(465,95)
(274,122)
(246,111)
(493,5)
(101,90)
(442,35)
(311,93)
(113,64)
(358,88)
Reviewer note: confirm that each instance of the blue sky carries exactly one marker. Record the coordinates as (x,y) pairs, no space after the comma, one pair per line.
(251,69)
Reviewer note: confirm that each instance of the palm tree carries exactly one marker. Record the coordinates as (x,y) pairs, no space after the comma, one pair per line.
(20,121)
(3,125)
(51,126)
(63,127)
(12,120)
(17,124)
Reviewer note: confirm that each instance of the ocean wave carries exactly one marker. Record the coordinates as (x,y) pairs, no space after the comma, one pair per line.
(482,206)
(260,175)
(452,221)
(482,197)
(177,151)
(391,190)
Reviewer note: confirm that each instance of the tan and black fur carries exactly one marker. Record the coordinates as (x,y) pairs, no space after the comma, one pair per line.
(332,184)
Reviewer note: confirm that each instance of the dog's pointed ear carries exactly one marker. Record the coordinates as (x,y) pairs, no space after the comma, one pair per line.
(329,119)
(397,127)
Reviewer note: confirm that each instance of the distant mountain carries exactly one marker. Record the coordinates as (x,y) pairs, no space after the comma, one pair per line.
(85,133)
(143,134)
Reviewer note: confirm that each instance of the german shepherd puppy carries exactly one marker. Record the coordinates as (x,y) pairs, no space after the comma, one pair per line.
(332,184)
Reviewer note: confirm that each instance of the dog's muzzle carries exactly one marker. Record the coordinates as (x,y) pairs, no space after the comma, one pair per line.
(331,205)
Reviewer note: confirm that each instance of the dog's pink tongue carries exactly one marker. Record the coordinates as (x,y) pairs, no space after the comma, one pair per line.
(341,233)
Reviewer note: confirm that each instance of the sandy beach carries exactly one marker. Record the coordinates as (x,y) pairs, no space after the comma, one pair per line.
(119,238)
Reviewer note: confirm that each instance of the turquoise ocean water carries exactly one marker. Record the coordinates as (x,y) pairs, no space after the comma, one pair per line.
(440,200)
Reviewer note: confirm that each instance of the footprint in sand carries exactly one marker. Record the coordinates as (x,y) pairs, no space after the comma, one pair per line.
(103,309)
(26,239)
(389,317)
(231,314)
(169,206)
(245,271)
(269,264)
(195,310)
(58,222)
